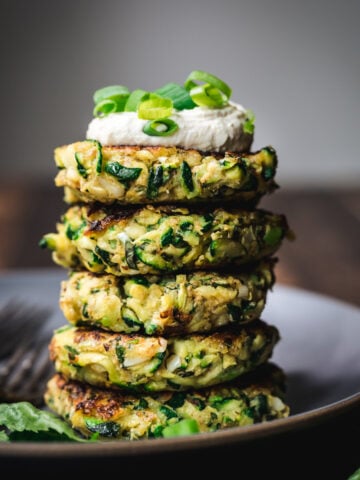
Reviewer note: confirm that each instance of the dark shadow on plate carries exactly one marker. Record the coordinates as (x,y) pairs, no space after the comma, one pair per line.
(306,392)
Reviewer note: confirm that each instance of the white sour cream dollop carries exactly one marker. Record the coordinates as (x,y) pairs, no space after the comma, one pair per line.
(217,130)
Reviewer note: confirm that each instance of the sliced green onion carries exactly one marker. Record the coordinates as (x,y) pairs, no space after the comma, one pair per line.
(249,125)
(178,94)
(155,108)
(160,128)
(205,77)
(134,99)
(208,96)
(187,426)
(104,108)
(110,92)
(110,99)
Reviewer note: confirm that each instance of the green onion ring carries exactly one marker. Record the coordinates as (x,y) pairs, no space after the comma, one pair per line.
(134,99)
(110,92)
(208,96)
(155,108)
(151,127)
(104,108)
(205,77)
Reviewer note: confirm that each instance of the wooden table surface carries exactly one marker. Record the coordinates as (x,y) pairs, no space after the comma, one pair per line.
(324,258)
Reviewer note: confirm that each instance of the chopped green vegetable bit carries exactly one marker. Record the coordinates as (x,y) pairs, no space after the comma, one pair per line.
(167,238)
(156,178)
(177,400)
(273,236)
(249,125)
(121,173)
(47,242)
(105,429)
(168,412)
(187,426)
(120,353)
(187,176)
(140,280)
(81,169)
(235,312)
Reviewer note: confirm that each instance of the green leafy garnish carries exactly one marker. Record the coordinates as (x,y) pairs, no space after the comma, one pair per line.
(199,89)
(355,475)
(23,422)
(110,99)
(197,76)
(208,96)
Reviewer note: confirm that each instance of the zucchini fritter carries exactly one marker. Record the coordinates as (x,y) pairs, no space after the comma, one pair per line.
(117,415)
(168,305)
(164,239)
(137,175)
(154,363)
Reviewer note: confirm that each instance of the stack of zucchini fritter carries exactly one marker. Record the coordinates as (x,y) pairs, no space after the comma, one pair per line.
(170,266)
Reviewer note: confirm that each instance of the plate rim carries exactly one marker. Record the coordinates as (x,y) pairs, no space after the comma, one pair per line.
(229,436)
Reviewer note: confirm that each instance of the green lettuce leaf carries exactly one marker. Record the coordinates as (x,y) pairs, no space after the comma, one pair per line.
(23,422)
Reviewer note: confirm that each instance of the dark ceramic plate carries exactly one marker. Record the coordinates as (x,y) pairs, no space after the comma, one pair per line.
(319,351)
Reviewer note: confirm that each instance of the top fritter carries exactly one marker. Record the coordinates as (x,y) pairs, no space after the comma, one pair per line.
(138,175)
(180,143)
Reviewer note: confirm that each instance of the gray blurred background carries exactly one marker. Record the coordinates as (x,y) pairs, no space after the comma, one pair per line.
(295,63)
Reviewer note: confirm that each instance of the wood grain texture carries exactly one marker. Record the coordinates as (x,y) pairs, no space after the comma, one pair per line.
(325,256)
